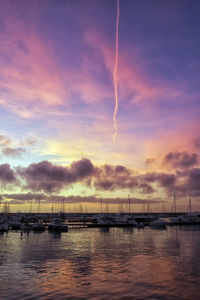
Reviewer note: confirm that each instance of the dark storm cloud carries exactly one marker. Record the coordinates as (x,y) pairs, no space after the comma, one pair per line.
(6,174)
(181,159)
(13,152)
(45,176)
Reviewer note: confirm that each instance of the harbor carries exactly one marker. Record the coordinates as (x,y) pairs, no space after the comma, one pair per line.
(64,222)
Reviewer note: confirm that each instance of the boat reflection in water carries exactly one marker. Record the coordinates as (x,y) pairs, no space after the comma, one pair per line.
(104,229)
(101,263)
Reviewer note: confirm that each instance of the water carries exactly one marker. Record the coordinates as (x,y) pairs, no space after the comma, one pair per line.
(101,264)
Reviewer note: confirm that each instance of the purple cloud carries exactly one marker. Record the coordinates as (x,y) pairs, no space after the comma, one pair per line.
(6,174)
(181,159)
(27,197)
(45,176)
(13,152)
(110,177)
(191,184)
(49,178)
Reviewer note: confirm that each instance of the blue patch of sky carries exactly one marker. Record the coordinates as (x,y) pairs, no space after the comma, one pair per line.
(167,34)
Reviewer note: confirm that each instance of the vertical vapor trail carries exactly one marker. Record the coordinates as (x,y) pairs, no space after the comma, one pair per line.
(115,74)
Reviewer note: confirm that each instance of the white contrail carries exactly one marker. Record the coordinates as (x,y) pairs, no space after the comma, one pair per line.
(115,73)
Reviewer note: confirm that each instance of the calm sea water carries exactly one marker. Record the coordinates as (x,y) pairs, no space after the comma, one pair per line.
(101,264)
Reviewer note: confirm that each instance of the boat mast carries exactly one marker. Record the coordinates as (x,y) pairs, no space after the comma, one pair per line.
(52,207)
(175,203)
(132,206)
(163,207)
(148,208)
(129,204)
(31,205)
(190,205)
(38,210)
(143,206)
(63,204)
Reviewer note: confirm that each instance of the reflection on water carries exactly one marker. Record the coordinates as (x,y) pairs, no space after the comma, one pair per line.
(115,263)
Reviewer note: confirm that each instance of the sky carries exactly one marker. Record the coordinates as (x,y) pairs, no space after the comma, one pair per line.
(57,100)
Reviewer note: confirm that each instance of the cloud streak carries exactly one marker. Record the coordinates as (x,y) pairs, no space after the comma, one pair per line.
(59,199)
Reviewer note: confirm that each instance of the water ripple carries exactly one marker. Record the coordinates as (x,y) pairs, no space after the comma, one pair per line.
(94,264)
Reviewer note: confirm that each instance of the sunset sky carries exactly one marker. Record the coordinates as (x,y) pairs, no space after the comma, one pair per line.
(57,101)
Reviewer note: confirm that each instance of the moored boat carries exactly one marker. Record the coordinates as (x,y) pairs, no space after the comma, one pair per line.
(15,224)
(56,225)
(25,227)
(191,218)
(158,224)
(4,226)
(38,226)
